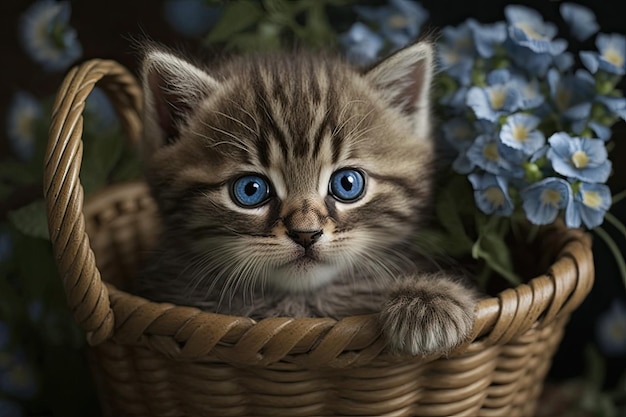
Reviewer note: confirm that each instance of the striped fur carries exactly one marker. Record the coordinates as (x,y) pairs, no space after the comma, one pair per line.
(294,119)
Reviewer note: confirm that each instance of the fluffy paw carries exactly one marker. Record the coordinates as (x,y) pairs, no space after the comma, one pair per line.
(428,317)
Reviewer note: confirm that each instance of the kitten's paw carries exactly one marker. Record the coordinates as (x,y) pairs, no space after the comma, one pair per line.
(428,317)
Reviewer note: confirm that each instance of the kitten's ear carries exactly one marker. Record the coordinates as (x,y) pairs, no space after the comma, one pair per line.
(404,80)
(172,89)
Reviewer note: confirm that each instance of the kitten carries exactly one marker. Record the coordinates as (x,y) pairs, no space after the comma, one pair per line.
(296,185)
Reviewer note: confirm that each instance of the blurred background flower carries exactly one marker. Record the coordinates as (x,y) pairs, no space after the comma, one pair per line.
(25,112)
(47,37)
(191,17)
(611,329)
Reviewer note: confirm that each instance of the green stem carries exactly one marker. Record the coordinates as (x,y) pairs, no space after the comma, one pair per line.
(533,231)
(615,222)
(482,278)
(619,197)
(615,251)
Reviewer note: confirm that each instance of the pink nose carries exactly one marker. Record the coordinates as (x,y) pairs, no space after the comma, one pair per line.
(305,238)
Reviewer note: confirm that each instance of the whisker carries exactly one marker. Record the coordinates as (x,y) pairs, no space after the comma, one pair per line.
(239,122)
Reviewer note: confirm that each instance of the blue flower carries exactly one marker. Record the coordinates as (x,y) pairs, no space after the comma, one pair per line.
(24,112)
(485,153)
(499,98)
(520,132)
(400,22)
(527,28)
(582,20)
(456,53)
(611,330)
(534,63)
(487,37)
(579,158)
(361,44)
(564,61)
(572,94)
(530,94)
(462,164)
(190,17)
(458,132)
(47,37)
(590,203)
(491,194)
(10,408)
(615,105)
(455,100)
(602,132)
(611,55)
(18,379)
(543,200)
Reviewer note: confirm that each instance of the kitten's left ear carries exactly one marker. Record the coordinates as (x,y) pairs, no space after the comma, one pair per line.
(404,81)
(173,88)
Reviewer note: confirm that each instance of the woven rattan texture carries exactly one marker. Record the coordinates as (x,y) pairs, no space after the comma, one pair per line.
(164,360)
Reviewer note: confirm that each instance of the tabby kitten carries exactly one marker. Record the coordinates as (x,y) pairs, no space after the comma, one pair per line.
(295,185)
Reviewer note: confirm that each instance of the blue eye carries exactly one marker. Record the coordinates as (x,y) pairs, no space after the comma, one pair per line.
(250,191)
(347,185)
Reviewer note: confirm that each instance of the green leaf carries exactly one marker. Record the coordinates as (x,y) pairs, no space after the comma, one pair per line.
(128,167)
(449,208)
(319,32)
(611,245)
(439,243)
(15,172)
(492,248)
(31,219)
(267,38)
(282,10)
(5,191)
(38,280)
(100,156)
(236,17)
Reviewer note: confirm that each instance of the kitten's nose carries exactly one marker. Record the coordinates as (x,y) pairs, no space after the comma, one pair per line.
(305,238)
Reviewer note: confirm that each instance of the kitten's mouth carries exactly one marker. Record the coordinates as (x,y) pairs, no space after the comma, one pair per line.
(306,259)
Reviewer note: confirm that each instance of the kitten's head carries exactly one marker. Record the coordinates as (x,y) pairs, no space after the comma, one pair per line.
(289,170)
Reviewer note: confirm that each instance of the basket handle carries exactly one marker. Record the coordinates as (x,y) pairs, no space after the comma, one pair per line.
(87,296)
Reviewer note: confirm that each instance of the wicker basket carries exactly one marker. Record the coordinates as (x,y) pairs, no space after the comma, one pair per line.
(154,359)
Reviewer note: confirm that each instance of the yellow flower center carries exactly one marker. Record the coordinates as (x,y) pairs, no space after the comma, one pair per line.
(491,152)
(25,124)
(617,330)
(562,98)
(463,43)
(550,197)
(462,133)
(520,133)
(453,56)
(580,159)
(397,21)
(495,196)
(529,31)
(497,98)
(592,199)
(613,56)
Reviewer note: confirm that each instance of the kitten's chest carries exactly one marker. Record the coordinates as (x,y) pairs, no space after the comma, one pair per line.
(345,297)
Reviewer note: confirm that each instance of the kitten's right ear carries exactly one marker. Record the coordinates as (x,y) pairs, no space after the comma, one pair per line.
(404,80)
(172,89)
